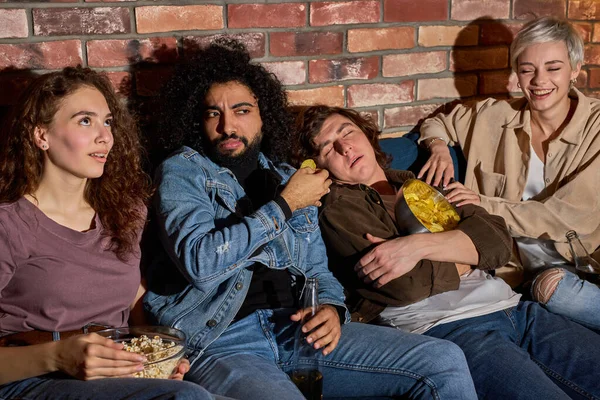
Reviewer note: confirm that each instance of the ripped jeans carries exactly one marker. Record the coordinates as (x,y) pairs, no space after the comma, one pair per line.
(573,297)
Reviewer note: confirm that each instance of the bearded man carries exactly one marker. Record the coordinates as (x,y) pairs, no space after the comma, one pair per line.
(242,229)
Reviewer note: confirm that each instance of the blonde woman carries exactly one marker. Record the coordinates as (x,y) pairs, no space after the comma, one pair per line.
(534,161)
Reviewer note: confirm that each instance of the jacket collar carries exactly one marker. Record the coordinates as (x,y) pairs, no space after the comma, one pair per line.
(394,176)
(573,132)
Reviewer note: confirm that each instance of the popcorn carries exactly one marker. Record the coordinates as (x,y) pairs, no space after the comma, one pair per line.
(155,350)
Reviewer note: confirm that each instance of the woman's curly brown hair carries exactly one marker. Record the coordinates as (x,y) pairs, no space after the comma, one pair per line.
(309,121)
(119,195)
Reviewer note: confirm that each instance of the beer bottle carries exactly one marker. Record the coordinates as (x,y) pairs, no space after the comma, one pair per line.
(586,266)
(307,369)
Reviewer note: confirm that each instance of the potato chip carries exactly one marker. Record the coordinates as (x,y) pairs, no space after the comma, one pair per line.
(308,163)
(430,207)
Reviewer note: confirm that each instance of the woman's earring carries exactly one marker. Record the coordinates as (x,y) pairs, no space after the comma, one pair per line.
(44,146)
(573,82)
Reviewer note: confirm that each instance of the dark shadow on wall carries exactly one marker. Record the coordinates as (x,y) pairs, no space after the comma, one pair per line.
(479,60)
(13,82)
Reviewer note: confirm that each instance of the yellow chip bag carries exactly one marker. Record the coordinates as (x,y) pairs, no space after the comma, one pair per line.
(308,163)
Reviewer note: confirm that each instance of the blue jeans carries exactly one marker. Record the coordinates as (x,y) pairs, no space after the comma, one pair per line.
(58,386)
(252,357)
(576,299)
(526,352)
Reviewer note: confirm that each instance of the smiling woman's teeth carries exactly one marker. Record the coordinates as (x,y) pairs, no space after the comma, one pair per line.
(98,155)
(541,92)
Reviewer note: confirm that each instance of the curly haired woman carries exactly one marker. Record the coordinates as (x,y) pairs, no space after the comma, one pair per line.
(72,208)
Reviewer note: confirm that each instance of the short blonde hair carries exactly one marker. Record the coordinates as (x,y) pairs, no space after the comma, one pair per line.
(548,29)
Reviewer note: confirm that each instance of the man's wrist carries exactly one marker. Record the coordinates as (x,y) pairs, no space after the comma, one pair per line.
(420,242)
(285,207)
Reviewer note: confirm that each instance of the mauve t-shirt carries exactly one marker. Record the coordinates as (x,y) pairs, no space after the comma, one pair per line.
(54,278)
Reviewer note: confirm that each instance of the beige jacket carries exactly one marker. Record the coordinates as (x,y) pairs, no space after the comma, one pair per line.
(495,136)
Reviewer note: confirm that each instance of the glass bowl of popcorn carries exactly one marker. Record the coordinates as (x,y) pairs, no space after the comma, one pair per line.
(162,346)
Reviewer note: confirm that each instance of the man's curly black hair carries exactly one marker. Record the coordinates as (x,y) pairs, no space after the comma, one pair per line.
(224,60)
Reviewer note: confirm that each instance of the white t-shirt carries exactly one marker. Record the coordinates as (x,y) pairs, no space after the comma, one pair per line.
(478,294)
(536,253)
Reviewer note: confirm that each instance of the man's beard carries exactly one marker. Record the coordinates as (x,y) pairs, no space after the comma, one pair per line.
(226,159)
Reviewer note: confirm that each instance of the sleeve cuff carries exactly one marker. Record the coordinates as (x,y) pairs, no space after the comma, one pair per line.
(287,211)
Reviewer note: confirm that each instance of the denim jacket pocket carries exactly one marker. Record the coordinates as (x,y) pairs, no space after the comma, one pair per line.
(224,198)
(305,220)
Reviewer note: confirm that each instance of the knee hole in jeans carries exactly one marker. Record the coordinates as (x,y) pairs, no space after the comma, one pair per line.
(545,284)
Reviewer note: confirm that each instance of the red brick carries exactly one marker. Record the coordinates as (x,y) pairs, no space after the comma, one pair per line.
(467,10)
(494,32)
(442,35)
(121,81)
(254,41)
(373,115)
(585,30)
(13,23)
(594,78)
(591,54)
(178,18)
(584,9)
(115,53)
(408,115)
(596,34)
(106,1)
(449,88)
(476,59)
(582,80)
(286,15)
(347,12)
(285,44)
(413,11)
(414,63)
(45,55)
(374,94)
(360,40)
(498,82)
(38,1)
(12,86)
(530,9)
(323,71)
(81,21)
(330,95)
(149,81)
(288,72)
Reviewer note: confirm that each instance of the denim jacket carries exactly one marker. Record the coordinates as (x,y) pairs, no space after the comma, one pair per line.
(212,244)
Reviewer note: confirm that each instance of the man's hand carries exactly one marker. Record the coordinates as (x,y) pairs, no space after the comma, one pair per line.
(388,261)
(460,195)
(324,327)
(439,165)
(305,188)
(180,370)
(92,356)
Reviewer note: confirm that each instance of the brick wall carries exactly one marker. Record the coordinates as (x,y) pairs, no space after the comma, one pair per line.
(397,59)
